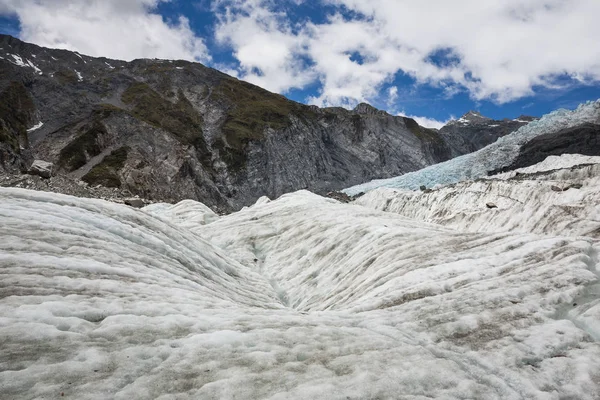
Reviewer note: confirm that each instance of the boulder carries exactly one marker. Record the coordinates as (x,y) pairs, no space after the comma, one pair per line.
(41,168)
(491,205)
(135,202)
(339,196)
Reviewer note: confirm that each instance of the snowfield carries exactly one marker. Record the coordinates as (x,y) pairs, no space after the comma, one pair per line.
(300,297)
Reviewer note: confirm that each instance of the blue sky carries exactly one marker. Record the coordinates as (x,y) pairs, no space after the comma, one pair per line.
(433,60)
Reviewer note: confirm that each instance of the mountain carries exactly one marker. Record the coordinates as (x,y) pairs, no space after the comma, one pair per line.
(560,132)
(175,129)
(473,131)
(171,130)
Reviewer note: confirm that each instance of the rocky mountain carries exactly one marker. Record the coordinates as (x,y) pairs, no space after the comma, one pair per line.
(169,130)
(473,131)
(554,134)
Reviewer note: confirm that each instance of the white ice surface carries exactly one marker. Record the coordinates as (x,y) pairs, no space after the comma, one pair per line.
(187,213)
(497,155)
(528,205)
(301,297)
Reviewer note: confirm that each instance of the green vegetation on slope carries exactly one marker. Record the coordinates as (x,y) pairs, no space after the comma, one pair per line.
(66,76)
(252,110)
(106,173)
(76,154)
(16,112)
(180,118)
(86,145)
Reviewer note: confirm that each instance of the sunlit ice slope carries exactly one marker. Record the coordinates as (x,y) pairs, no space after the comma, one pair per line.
(496,156)
(301,297)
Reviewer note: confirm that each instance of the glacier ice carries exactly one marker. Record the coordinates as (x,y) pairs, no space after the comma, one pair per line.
(300,297)
(534,203)
(186,213)
(495,156)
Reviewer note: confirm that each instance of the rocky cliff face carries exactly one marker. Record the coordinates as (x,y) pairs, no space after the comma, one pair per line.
(581,139)
(171,130)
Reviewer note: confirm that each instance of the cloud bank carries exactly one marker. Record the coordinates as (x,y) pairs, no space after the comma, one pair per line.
(496,50)
(122,29)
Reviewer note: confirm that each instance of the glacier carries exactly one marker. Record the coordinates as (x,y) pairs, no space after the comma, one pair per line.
(492,157)
(559,196)
(299,297)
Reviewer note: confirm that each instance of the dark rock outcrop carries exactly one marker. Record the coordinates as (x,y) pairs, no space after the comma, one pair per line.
(582,139)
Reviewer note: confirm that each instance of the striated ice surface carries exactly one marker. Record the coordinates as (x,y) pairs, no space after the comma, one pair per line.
(497,155)
(300,297)
(186,213)
(556,202)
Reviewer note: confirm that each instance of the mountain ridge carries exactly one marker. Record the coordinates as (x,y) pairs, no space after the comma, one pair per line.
(173,129)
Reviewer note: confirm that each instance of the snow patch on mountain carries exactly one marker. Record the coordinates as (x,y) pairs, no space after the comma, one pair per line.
(18,61)
(497,155)
(36,126)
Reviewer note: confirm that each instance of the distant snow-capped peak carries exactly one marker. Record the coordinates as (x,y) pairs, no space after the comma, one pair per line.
(471,117)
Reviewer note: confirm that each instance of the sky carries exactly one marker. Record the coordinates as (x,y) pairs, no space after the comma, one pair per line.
(433,60)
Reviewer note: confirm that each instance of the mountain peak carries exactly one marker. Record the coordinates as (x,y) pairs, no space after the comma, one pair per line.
(473,117)
(367,109)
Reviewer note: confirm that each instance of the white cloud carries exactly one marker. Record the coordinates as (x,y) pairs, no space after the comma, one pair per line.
(268,52)
(505,46)
(427,122)
(498,50)
(122,29)
(392,95)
